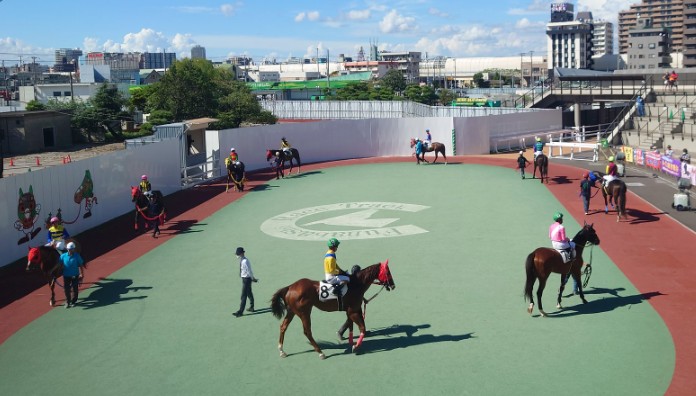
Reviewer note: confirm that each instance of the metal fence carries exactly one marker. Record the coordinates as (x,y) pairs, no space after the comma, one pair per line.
(357,109)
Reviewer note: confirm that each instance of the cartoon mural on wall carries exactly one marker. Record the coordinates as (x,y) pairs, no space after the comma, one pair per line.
(86,192)
(27,215)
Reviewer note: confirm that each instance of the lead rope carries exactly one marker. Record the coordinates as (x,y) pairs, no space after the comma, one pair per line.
(368,300)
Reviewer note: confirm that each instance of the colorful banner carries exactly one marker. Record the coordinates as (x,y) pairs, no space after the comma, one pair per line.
(652,160)
(670,166)
(638,157)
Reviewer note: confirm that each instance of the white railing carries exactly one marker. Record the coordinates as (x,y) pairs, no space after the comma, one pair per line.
(199,173)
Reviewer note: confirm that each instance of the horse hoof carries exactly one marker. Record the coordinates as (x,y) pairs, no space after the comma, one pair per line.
(50,303)
(322,356)
(558,306)
(530,308)
(283,355)
(543,314)
(584,301)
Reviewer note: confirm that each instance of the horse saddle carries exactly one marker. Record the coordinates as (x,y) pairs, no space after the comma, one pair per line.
(327,291)
(567,254)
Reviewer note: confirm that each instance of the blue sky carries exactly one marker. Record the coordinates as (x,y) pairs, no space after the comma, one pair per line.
(279,29)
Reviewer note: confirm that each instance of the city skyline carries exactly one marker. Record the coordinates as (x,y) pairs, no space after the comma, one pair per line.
(290,29)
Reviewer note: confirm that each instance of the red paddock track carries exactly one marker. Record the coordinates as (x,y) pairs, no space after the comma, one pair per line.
(651,248)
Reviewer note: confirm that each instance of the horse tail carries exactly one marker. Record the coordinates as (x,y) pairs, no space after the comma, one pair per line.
(278,306)
(531,277)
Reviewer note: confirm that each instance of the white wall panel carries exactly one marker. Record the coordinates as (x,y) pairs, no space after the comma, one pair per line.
(115,172)
(54,188)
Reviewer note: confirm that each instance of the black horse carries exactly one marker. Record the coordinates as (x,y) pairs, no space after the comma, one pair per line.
(236,175)
(142,206)
(542,163)
(285,156)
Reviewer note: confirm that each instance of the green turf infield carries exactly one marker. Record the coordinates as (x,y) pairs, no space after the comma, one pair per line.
(456,323)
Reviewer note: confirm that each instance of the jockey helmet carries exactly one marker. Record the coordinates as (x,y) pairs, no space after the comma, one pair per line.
(611,159)
(54,219)
(71,246)
(585,175)
(60,245)
(427,130)
(538,139)
(232,150)
(521,152)
(143,177)
(557,216)
(333,243)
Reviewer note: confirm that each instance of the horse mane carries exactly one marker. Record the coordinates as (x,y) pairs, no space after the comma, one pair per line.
(49,256)
(368,274)
(580,237)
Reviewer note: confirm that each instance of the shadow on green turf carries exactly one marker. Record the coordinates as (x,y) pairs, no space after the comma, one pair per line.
(603,304)
(110,291)
(388,339)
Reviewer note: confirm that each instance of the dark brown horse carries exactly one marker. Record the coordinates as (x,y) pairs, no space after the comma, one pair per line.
(616,193)
(300,297)
(46,257)
(294,155)
(236,175)
(142,205)
(437,147)
(544,261)
(542,163)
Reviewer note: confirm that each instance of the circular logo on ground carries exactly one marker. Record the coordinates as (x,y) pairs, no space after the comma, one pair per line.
(347,220)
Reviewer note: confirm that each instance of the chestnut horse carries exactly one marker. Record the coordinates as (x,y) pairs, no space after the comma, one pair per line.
(300,297)
(434,146)
(544,261)
(542,163)
(46,257)
(293,155)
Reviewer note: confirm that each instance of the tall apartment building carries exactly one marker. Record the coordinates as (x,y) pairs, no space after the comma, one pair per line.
(663,13)
(408,62)
(67,59)
(648,46)
(689,39)
(116,60)
(569,43)
(602,38)
(198,52)
(157,60)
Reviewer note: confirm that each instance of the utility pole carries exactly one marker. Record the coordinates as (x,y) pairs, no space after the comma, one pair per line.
(522,54)
(328,71)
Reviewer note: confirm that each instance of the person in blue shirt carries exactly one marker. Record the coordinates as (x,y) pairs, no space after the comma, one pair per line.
(73,271)
(419,151)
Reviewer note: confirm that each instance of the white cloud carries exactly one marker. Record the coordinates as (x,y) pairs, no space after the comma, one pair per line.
(525,23)
(436,12)
(194,9)
(90,44)
(357,15)
(310,16)
(12,50)
(312,50)
(394,22)
(605,9)
(229,9)
(535,8)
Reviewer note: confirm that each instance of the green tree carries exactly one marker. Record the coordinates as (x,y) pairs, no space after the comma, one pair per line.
(35,105)
(107,106)
(189,89)
(394,80)
(421,94)
(446,97)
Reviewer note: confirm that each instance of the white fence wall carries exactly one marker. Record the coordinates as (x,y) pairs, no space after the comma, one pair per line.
(114,173)
(54,188)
